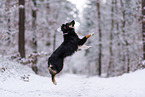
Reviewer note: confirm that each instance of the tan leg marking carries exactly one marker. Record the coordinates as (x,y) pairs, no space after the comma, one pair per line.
(87,36)
(51,71)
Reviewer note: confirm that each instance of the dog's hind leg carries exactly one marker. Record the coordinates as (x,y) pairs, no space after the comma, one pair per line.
(53,74)
(53,78)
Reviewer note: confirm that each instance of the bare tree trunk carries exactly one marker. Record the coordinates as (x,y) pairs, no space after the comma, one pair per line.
(128,57)
(21,39)
(8,21)
(55,33)
(100,37)
(119,55)
(123,35)
(125,44)
(109,72)
(48,43)
(116,12)
(54,40)
(34,37)
(143,27)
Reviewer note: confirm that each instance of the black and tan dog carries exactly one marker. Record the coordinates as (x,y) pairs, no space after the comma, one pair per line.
(67,48)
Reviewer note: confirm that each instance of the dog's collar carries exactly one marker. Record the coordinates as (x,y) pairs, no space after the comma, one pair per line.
(65,33)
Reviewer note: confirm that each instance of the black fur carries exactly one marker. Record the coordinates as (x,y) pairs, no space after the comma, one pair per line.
(67,48)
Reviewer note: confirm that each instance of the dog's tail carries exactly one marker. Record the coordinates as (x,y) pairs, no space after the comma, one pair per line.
(53,78)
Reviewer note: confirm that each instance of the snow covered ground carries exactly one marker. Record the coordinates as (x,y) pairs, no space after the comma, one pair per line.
(68,85)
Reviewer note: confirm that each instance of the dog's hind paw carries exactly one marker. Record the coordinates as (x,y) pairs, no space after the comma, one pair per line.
(53,79)
(54,83)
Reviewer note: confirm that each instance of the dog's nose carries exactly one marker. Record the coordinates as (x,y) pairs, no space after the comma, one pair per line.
(73,22)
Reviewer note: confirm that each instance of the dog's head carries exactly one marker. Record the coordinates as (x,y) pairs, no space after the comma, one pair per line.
(67,26)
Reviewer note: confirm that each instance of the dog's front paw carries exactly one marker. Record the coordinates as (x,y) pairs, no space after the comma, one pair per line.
(83,47)
(87,36)
(87,47)
(92,33)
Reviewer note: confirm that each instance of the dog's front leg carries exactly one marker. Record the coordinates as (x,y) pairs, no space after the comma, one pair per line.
(83,40)
(83,47)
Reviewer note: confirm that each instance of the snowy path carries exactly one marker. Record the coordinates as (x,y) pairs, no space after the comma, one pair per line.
(75,86)
(68,85)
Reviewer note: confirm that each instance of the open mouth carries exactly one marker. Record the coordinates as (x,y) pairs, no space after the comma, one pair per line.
(71,26)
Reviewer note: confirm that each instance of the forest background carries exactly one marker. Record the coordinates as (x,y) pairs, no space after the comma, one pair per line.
(30,32)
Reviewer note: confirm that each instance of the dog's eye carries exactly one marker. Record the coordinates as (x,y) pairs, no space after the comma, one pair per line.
(64,27)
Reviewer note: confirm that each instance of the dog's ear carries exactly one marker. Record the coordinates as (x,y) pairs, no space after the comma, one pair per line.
(63,27)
